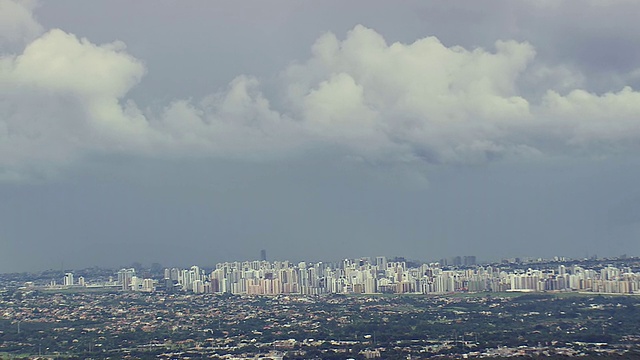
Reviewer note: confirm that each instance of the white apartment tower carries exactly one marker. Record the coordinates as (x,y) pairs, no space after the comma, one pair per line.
(68,279)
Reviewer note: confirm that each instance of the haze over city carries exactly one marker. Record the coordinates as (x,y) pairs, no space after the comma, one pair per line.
(202,132)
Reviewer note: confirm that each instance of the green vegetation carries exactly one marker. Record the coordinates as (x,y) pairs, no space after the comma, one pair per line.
(101,325)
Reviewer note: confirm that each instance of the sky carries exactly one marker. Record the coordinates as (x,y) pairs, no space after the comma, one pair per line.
(204,131)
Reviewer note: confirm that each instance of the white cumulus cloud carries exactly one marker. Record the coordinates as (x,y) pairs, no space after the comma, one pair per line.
(64,97)
(17,25)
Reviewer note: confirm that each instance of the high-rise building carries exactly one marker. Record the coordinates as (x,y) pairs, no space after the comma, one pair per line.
(263,255)
(456,261)
(124,278)
(68,279)
(469,260)
(148,285)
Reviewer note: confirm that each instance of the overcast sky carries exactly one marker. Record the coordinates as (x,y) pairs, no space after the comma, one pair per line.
(194,132)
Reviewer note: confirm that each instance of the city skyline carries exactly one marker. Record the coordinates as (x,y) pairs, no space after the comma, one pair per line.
(365,275)
(451,260)
(197,132)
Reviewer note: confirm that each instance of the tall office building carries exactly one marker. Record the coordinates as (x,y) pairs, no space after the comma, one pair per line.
(263,255)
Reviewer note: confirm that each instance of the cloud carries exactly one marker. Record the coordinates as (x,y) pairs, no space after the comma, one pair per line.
(17,25)
(235,123)
(436,100)
(64,97)
(607,122)
(61,98)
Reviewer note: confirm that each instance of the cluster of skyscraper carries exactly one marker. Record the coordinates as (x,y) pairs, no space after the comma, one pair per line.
(365,276)
(69,280)
(127,280)
(382,276)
